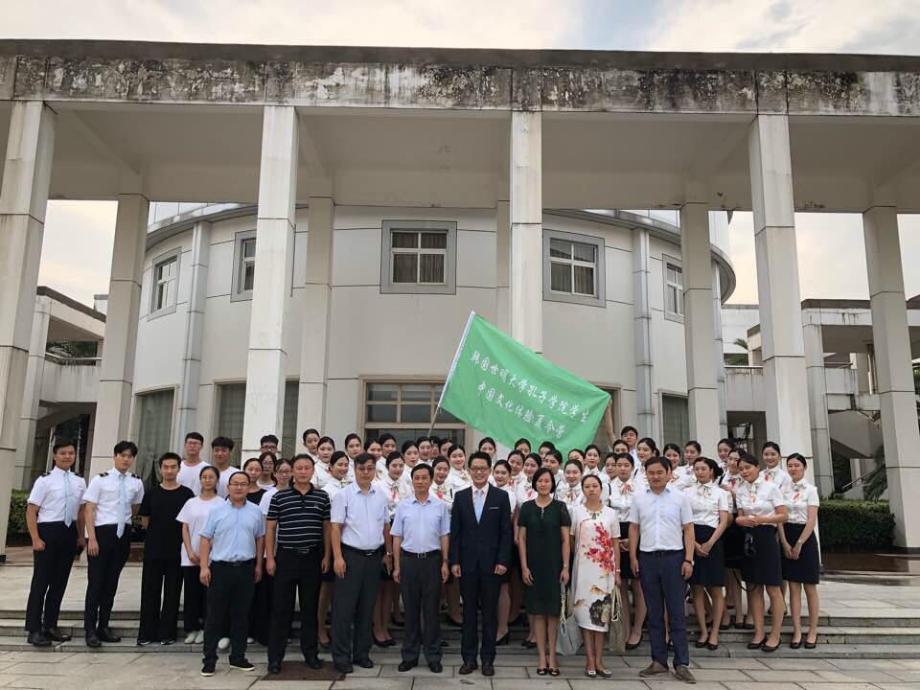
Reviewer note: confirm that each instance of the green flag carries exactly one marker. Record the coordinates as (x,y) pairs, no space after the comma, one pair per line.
(507,391)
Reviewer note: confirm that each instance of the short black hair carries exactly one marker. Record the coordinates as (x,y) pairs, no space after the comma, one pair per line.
(519,453)
(125,447)
(383,438)
(487,439)
(223,442)
(626,429)
(553,453)
(422,467)
(268,438)
(168,456)
(797,456)
(548,444)
(422,439)
(306,433)
(622,456)
(478,455)
(194,436)
(302,456)
(695,444)
(658,460)
(363,459)
(522,441)
(409,444)
(248,481)
(62,443)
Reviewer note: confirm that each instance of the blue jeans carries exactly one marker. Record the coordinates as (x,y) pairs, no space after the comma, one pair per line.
(663,586)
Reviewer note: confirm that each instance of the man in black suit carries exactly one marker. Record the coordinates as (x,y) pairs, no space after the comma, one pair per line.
(480,554)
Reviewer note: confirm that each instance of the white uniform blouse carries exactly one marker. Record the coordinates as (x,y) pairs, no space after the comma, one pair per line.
(778,476)
(683,477)
(761,498)
(459,479)
(707,501)
(799,496)
(621,497)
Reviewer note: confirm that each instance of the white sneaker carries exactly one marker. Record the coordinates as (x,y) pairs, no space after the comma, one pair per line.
(190,638)
(250,640)
(199,637)
(223,644)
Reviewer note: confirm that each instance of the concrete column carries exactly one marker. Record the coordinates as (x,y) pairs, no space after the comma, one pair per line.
(642,335)
(719,349)
(699,329)
(31,397)
(23,198)
(267,359)
(502,265)
(194,333)
(116,374)
(526,211)
(314,340)
(897,400)
(817,408)
(778,285)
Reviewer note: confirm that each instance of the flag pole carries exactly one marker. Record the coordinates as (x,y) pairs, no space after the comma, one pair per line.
(453,368)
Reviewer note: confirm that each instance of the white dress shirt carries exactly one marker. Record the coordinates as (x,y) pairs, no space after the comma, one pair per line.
(105,492)
(58,495)
(621,497)
(707,502)
(661,519)
(777,475)
(799,497)
(683,477)
(761,498)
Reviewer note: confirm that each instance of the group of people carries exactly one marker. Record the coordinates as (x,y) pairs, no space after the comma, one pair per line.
(377,532)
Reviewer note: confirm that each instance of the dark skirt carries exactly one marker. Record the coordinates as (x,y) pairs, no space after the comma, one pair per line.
(626,572)
(708,571)
(733,543)
(806,568)
(763,568)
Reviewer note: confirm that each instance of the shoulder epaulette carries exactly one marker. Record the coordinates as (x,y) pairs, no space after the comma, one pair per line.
(46,474)
(134,475)
(102,474)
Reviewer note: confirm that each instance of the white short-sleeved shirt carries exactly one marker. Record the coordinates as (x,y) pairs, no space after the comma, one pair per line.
(321,474)
(190,475)
(266,499)
(683,477)
(50,493)
(707,501)
(361,515)
(761,498)
(104,492)
(777,475)
(459,479)
(799,497)
(443,492)
(661,518)
(621,497)
(224,480)
(195,514)
(570,495)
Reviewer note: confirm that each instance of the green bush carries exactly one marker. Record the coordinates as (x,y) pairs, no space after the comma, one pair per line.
(17,526)
(855,525)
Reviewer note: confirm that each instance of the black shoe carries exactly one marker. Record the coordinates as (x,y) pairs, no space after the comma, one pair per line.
(530,644)
(755,645)
(809,645)
(365,663)
(343,668)
(381,643)
(274,668)
(142,643)
(503,640)
(314,662)
(699,644)
(242,665)
(208,669)
(106,635)
(93,641)
(55,635)
(767,648)
(488,670)
(444,643)
(167,642)
(38,639)
(630,646)
(467,668)
(435,667)
(406,666)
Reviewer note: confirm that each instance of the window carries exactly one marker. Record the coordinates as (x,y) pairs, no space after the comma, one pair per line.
(165,283)
(154,431)
(231,404)
(289,435)
(244,262)
(405,410)
(573,268)
(419,257)
(675,420)
(673,290)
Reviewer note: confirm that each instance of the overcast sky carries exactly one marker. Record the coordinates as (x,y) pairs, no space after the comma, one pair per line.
(78,235)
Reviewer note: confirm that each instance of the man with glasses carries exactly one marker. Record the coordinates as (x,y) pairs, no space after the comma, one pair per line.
(360,528)
(232,544)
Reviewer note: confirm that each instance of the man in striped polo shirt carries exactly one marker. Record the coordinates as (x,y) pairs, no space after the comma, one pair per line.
(298,522)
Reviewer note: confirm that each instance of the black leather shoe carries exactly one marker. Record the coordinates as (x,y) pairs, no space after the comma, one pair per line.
(467,668)
(365,663)
(343,668)
(435,667)
(274,668)
(106,635)
(488,670)
(93,641)
(38,639)
(407,666)
(56,635)
(314,662)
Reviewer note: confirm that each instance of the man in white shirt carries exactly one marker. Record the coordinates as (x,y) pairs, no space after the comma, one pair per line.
(661,548)
(192,464)
(221,449)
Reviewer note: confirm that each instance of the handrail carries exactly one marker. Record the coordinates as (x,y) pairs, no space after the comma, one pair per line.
(72,361)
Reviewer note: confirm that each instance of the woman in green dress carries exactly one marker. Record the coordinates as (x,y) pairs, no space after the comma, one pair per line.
(543,542)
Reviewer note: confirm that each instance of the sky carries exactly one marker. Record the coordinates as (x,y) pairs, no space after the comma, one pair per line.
(78,235)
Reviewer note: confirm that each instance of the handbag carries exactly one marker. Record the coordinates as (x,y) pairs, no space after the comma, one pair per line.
(568,641)
(616,632)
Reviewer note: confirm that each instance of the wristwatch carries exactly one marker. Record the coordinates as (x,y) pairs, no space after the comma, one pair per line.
(686,561)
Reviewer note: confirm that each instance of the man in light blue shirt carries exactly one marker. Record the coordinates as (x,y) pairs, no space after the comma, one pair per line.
(232,544)
(420,531)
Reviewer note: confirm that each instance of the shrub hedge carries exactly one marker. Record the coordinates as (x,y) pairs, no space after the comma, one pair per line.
(855,525)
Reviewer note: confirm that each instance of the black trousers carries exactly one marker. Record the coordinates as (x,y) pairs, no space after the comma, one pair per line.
(102,573)
(482,589)
(160,577)
(420,586)
(50,573)
(664,588)
(229,599)
(299,574)
(261,609)
(353,605)
(194,603)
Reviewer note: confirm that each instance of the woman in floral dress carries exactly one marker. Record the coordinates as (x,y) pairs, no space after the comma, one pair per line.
(596,532)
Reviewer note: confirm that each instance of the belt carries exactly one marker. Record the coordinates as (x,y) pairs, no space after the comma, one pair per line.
(363,552)
(234,564)
(426,554)
(304,551)
(662,553)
